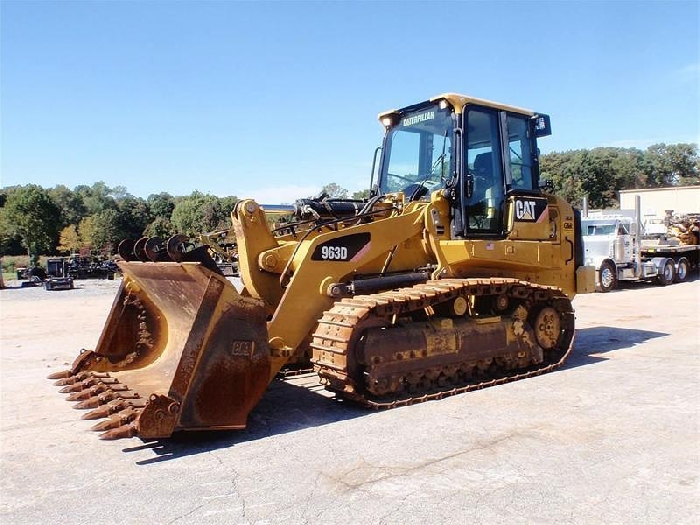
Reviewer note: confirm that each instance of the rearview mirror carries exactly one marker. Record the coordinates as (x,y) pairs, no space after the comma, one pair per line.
(547,185)
(542,125)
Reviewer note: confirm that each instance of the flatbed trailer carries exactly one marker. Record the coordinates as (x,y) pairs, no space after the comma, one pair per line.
(685,257)
(690,251)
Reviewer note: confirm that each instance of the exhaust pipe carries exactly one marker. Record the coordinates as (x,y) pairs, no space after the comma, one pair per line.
(638,235)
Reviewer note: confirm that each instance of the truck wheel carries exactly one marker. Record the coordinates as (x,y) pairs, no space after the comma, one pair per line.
(681,273)
(667,274)
(607,278)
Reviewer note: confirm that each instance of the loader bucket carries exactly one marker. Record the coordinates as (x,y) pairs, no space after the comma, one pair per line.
(181,350)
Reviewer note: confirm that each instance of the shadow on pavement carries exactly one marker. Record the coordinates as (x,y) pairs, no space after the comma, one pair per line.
(591,342)
(286,407)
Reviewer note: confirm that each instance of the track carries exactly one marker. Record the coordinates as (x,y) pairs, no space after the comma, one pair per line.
(386,379)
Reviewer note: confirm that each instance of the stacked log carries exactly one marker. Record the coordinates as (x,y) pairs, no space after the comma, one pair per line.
(686,229)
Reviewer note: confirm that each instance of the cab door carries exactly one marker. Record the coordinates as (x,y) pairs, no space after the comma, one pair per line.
(483,188)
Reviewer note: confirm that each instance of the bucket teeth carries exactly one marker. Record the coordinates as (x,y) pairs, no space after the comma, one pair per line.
(117,420)
(92,402)
(112,407)
(72,379)
(90,382)
(87,394)
(109,399)
(106,410)
(61,375)
(104,398)
(111,422)
(66,381)
(78,387)
(124,431)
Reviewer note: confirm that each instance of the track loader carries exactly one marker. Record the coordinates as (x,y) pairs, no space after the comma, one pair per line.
(457,273)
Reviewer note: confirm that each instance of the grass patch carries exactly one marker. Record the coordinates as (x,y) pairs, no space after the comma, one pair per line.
(11,262)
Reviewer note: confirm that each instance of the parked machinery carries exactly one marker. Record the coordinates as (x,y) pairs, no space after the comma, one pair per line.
(58,277)
(457,273)
(90,267)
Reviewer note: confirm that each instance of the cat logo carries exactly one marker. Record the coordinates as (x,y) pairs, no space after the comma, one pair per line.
(530,209)
(525,210)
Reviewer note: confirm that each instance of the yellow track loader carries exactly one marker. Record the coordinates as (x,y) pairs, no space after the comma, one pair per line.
(457,273)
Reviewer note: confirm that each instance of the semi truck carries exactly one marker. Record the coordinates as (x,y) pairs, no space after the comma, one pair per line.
(615,245)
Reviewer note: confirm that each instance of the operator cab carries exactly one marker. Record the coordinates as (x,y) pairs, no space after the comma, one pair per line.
(478,153)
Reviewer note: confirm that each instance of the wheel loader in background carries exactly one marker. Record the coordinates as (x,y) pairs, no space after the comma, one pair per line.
(457,273)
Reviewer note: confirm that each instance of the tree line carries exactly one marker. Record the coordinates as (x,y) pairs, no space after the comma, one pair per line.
(94,219)
(600,173)
(35,220)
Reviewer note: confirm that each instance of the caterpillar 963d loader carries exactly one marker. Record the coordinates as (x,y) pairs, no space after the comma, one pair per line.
(457,273)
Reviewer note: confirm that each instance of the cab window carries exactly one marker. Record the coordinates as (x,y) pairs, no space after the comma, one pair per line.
(485,190)
(418,152)
(520,151)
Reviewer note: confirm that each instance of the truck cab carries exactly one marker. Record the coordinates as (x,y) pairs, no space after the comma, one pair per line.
(608,238)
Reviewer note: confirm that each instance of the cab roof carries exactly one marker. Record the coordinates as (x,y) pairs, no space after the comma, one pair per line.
(459,101)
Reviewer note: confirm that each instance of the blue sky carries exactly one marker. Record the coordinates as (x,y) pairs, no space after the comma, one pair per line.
(272,100)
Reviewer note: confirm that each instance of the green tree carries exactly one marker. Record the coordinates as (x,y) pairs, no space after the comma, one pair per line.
(70,202)
(564,170)
(106,233)
(598,174)
(199,213)
(160,205)
(606,171)
(227,205)
(96,198)
(133,217)
(160,227)
(34,216)
(361,195)
(686,163)
(334,191)
(10,242)
(119,192)
(671,165)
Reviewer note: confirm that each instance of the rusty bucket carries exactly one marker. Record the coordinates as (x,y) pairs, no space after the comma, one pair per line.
(181,350)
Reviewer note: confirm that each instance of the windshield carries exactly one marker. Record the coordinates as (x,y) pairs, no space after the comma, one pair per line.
(418,152)
(600,229)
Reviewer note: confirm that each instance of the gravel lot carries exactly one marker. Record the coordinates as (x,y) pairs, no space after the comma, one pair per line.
(611,438)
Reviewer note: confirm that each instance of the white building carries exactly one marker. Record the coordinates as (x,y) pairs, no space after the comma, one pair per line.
(655,201)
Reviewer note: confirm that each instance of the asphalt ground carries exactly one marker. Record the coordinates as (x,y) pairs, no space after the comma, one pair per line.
(612,437)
